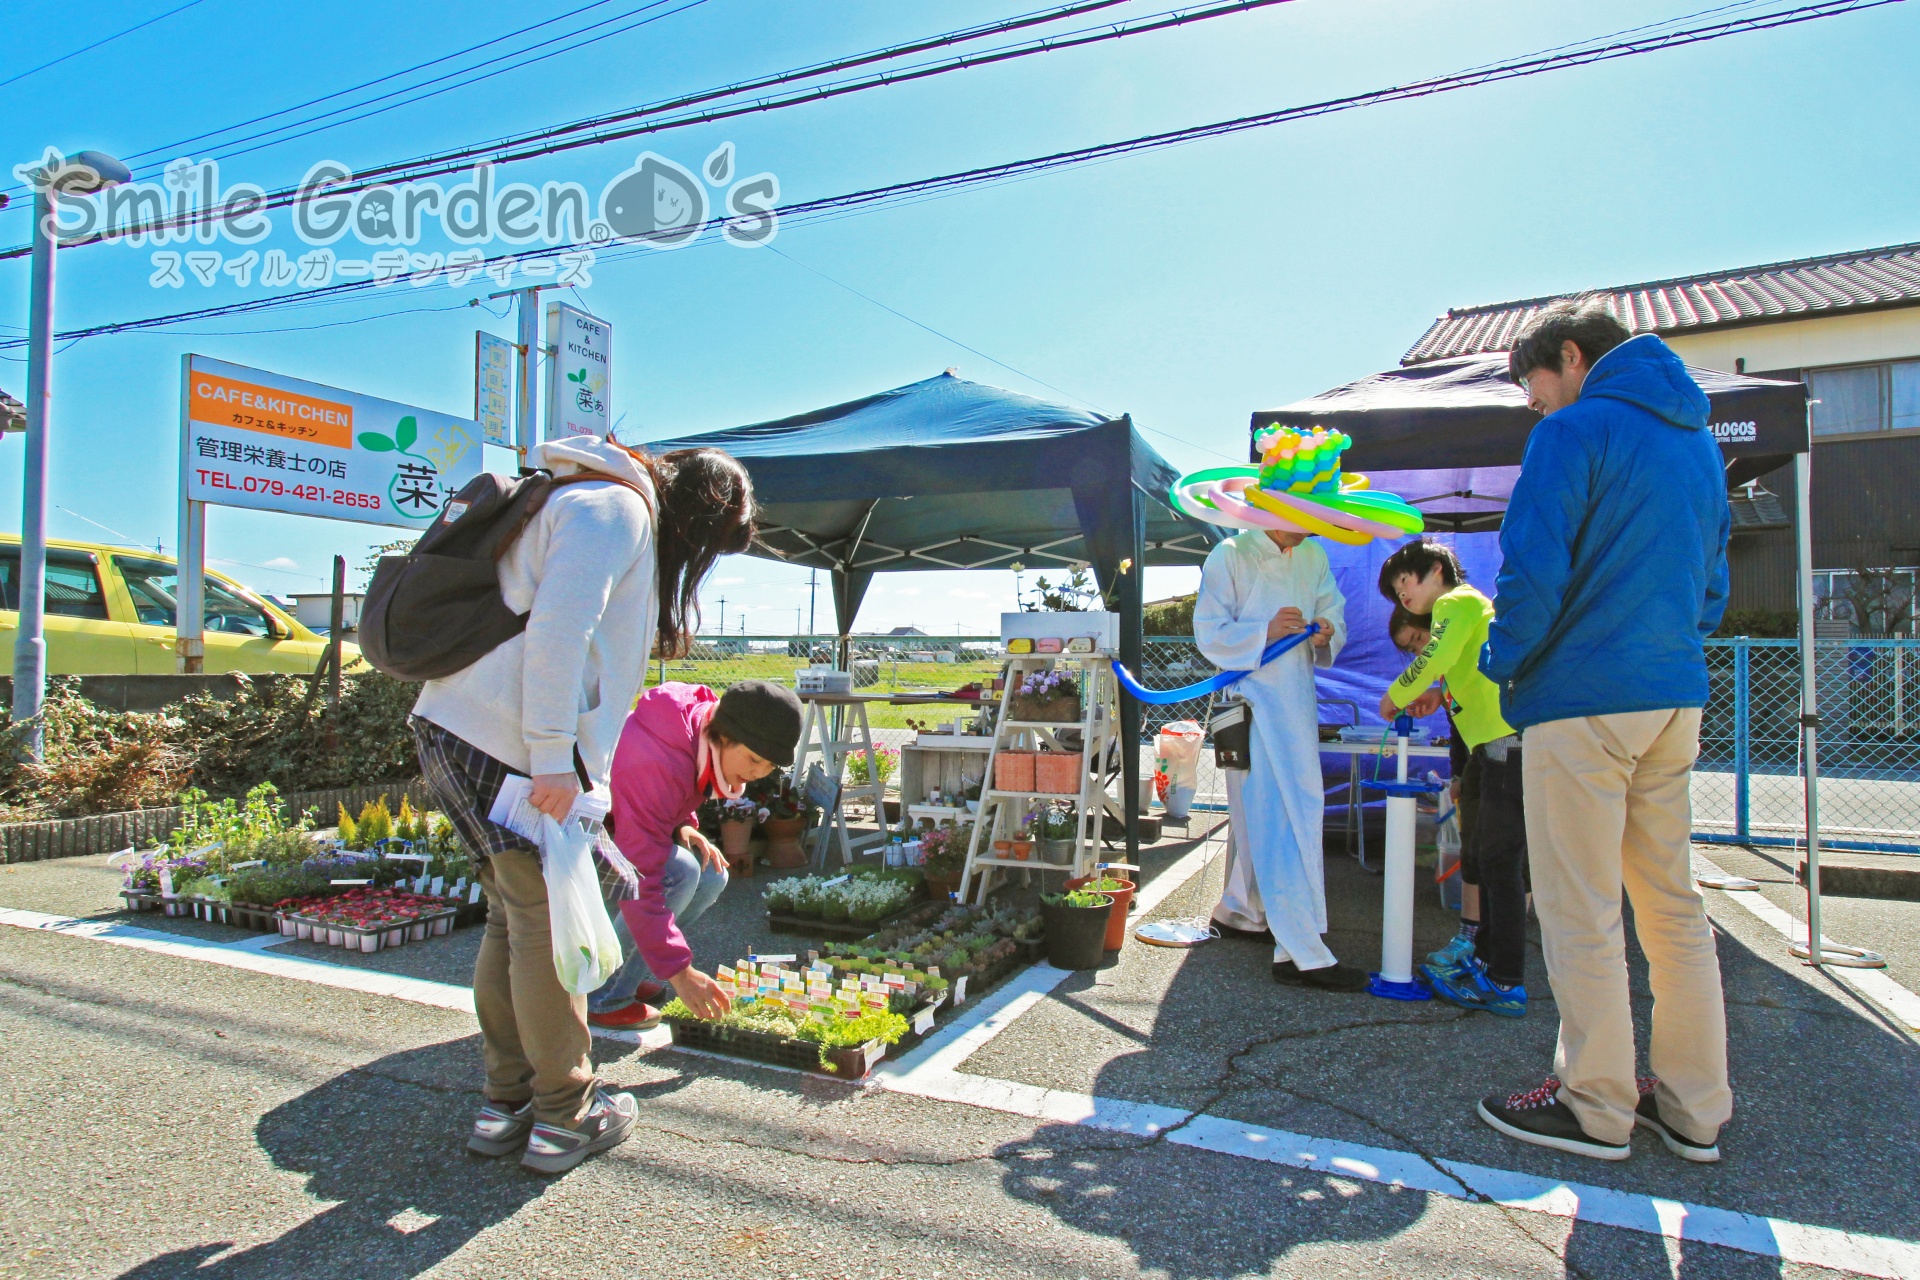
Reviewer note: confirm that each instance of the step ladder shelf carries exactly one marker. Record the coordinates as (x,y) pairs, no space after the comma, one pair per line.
(1001,812)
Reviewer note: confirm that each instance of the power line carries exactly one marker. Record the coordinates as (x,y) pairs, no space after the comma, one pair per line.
(594,130)
(827,207)
(89,48)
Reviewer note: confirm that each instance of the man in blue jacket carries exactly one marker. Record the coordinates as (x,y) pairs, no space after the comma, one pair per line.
(1615,570)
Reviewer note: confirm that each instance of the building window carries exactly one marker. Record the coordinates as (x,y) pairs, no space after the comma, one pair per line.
(1865,398)
(1875,601)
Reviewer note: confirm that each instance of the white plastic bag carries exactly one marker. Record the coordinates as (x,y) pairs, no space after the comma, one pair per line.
(586,951)
(1178,744)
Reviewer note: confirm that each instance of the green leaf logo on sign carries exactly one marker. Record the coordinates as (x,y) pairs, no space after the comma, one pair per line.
(413,491)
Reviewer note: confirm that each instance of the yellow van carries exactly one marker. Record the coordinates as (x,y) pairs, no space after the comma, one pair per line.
(110,612)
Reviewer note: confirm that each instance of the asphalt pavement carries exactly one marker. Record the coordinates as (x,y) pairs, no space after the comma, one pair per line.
(164,1117)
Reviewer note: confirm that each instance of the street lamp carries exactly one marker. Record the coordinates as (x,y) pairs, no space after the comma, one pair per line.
(81,174)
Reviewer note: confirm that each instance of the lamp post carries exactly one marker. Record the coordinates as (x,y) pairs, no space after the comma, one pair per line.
(81,174)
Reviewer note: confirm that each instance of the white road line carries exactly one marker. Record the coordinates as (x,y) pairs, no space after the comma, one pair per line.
(372,982)
(1900,1004)
(929,1071)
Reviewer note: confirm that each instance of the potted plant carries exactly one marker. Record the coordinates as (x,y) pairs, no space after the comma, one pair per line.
(946,857)
(1121,891)
(1023,838)
(737,819)
(786,819)
(1057,830)
(1049,696)
(1076,923)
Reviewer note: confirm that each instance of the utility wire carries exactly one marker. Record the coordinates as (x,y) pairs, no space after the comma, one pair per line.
(89,48)
(596,130)
(824,208)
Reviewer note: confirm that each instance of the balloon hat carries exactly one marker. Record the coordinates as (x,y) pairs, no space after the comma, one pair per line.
(1298,487)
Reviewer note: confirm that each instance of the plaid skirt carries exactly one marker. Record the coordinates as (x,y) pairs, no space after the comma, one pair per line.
(465,781)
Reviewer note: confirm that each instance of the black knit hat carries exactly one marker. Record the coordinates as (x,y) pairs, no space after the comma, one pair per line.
(761,716)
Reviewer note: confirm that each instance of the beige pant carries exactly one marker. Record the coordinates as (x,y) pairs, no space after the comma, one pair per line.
(1607,806)
(533,1032)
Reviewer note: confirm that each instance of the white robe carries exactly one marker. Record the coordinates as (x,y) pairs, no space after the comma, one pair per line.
(1275,877)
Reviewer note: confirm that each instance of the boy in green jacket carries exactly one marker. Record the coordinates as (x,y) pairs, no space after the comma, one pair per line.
(1486,969)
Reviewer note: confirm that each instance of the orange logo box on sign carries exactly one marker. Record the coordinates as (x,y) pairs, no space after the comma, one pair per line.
(222,402)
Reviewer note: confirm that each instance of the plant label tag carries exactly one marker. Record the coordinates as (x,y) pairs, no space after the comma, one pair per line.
(960,990)
(923,1022)
(166,882)
(439,883)
(786,959)
(257,862)
(842,879)
(474,895)
(351,882)
(725,973)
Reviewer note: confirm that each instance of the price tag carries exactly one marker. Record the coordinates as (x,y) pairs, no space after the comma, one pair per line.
(923,1022)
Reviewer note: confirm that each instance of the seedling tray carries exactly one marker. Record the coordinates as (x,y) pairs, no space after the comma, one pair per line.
(240,916)
(838,930)
(419,929)
(851,1063)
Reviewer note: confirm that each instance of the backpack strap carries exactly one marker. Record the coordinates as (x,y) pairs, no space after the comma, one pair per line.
(539,500)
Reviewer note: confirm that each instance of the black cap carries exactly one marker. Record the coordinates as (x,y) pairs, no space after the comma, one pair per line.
(761,716)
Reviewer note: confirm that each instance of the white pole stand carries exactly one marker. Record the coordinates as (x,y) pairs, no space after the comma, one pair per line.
(1395,979)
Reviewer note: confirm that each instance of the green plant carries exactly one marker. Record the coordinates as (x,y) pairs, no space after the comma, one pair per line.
(1107,884)
(1076,898)
(885,758)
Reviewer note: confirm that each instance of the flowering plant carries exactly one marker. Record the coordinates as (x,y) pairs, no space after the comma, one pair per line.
(364,907)
(779,796)
(1054,682)
(742,810)
(885,759)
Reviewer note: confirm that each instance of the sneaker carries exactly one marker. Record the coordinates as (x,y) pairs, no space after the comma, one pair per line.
(553,1149)
(638,1016)
(501,1129)
(1647,1116)
(1470,988)
(1538,1116)
(1333,977)
(1248,935)
(1458,951)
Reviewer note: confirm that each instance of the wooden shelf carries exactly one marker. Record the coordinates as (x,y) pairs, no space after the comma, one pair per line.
(1029,795)
(1031,864)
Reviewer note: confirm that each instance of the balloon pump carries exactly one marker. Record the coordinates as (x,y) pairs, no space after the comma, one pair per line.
(1395,980)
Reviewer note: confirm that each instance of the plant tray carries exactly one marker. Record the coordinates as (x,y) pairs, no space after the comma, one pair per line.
(852,1063)
(419,929)
(242,916)
(840,930)
(140,900)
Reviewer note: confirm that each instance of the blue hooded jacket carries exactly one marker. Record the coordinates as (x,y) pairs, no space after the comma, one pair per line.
(1614,548)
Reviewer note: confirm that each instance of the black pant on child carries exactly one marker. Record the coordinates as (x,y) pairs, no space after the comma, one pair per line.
(1499,839)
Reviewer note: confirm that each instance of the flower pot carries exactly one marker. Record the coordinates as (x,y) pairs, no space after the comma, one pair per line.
(1076,936)
(336,937)
(1013,771)
(1122,899)
(303,930)
(735,836)
(942,887)
(1054,710)
(442,925)
(369,942)
(1023,849)
(1056,851)
(288,928)
(1003,848)
(783,841)
(417,931)
(1058,772)
(394,937)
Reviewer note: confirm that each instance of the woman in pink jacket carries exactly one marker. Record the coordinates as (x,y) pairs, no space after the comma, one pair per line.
(682,744)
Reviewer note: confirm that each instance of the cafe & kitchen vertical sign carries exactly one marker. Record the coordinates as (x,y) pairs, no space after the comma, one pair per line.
(579,373)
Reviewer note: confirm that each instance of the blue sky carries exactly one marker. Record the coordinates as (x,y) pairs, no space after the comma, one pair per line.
(1187,287)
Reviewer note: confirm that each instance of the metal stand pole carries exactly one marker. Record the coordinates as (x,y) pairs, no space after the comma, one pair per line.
(30,643)
(1395,979)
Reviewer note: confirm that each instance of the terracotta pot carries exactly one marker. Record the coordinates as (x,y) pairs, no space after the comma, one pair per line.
(1058,772)
(1013,771)
(1122,899)
(735,835)
(1023,849)
(783,842)
(1003,848)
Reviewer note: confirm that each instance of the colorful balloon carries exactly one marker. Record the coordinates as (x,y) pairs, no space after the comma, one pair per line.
(1298,487)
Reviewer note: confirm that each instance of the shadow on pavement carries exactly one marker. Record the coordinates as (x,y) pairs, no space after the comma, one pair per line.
(387,1142)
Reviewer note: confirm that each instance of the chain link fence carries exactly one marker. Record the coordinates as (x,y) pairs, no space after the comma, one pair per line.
(1746,788)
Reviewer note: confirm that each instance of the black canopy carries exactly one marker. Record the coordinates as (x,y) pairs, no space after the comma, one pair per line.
(1448,435)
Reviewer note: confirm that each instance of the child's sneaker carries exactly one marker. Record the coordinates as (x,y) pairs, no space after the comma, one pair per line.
(553,1149)
(1470,988)
(1458,951)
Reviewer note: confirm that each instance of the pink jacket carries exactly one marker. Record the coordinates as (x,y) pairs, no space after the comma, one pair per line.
(656,788)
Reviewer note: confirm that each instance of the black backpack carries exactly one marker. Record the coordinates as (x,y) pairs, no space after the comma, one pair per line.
(438,609)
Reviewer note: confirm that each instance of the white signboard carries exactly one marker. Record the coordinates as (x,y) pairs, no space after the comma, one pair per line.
(249,438)
(493,388)
(579,373)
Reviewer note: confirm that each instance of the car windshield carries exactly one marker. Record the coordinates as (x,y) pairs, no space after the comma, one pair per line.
(153,584)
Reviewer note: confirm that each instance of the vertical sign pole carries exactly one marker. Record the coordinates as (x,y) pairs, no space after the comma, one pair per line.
(1742,738)
(526,425)
(189,594)
(1809,703)
(338,621)
(30,642)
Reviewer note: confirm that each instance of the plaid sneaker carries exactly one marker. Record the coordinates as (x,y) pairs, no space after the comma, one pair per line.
(1469,987)
(1458,951)
(501,1129)
(553,1149)
(1539,1117)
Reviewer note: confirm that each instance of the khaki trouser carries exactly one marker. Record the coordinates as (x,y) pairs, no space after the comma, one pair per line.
(1607,806)
(533,1032)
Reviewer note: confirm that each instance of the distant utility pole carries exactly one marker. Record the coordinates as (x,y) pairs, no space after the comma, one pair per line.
(723,615)
(813,579)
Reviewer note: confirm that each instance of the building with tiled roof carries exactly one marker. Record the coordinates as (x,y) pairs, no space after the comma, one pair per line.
(1847,324)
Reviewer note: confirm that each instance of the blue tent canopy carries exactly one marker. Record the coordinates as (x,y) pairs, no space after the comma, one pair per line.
(952,474)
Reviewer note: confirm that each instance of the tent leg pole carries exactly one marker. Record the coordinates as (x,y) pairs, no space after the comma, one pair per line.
(1809,708)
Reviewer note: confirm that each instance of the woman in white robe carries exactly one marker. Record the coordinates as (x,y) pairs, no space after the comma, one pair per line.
(1257,587)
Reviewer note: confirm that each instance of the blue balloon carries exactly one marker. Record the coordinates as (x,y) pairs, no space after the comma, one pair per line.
(1166,697)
